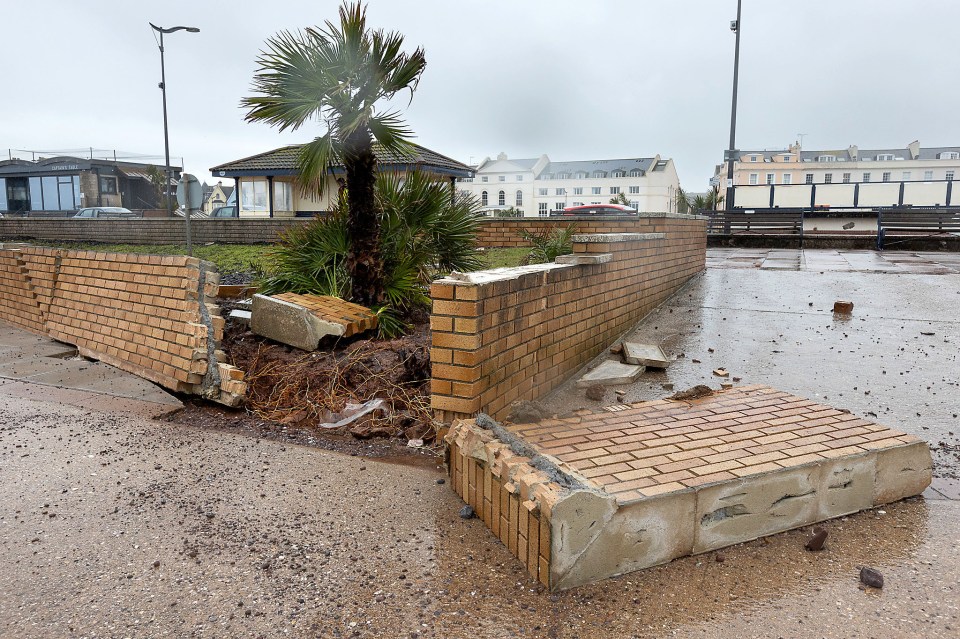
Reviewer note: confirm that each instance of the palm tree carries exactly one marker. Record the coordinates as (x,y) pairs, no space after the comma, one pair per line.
(338,74)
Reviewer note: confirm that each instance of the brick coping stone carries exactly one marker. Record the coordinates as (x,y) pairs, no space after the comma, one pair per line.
(602,493)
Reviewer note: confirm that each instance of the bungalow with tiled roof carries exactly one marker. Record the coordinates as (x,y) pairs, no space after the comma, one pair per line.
(266,182)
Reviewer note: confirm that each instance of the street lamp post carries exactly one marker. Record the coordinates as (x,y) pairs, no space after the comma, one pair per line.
(731,151)
(163,89)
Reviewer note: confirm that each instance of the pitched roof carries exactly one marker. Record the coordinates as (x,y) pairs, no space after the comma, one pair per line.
(607,166)
(283,161)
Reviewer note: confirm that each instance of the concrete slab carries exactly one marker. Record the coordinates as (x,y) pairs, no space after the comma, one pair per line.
(652,481)
(649,355)
(611,373)
(302,321)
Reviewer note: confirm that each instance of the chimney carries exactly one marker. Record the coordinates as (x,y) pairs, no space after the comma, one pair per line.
(854,152)
(914,148)
(502,156)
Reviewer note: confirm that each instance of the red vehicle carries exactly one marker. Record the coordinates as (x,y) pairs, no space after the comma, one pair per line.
(596,209)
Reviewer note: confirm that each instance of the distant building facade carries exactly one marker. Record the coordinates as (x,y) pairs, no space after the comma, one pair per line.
(537,186)
(63,184)
(215,196)
(266,182)
(849,177)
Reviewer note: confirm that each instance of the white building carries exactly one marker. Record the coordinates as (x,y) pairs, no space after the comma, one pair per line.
(537,186)
(850,177)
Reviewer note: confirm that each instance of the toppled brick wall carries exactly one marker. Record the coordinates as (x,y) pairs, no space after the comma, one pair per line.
(510,334)
(151,315)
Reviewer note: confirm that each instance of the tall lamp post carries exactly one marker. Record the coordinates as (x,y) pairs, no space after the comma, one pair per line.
(163,88)
(732,150)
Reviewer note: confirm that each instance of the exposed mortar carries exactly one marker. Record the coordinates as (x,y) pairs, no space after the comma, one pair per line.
(523,449)
(211,381)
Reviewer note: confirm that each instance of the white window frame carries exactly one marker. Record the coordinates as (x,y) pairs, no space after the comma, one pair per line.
(485,178)
(542,192)
(578,190)
(786,178)
(949,176)
(519,197)
(770,177)
(542,209)
(828,178)
(846,178)
(906,176)
(282,196)
(614,190)
(885,176)
(502,198)
(754,178)
(927,176)
(634,190)
(808,178)
(484,198)
(866,176)
(595,190)
(502,178)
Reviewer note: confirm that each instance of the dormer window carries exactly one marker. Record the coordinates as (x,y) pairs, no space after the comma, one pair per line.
(581,175)
(617,174)
(884,157)
(949,155)
(787,158)
(826,158)
(753,158)
(636,173)
(599,174)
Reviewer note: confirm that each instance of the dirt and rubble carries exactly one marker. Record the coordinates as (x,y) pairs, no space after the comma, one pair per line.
(300,393)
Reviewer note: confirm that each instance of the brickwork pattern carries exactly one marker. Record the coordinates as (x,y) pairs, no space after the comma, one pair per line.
(353,317)
(518,333)
(660,446)
(494,232)
(151,315)
(502,489)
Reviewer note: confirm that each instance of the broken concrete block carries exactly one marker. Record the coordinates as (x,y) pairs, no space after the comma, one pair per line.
(843,307)
(611,372)
(241,316)
(649,355)
(303,320)
(902,472)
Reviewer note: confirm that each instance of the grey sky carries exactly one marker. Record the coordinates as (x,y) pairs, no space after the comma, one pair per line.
(573,79)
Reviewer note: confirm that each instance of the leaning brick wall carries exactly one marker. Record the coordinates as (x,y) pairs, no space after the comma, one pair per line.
(510,334)
(493,233)
(150,315)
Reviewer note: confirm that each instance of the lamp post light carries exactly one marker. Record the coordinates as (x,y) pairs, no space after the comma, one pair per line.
(163,88)
(731,150)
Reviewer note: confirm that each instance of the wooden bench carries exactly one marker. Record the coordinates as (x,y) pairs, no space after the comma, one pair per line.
(740,223)
(922,222)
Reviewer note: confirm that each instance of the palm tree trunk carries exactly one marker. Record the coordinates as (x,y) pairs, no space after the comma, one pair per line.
(364,261)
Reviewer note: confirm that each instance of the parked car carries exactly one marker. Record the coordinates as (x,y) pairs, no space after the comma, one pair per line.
(92,212)
(596,209)
(225,211)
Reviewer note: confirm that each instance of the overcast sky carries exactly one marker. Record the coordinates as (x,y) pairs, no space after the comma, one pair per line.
(574,79)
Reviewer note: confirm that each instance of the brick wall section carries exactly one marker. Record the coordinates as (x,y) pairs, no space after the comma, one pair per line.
(494,232)
(151,315)
(510,334)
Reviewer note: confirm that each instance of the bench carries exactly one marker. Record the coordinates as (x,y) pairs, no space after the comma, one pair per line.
(925,222)
(740,223)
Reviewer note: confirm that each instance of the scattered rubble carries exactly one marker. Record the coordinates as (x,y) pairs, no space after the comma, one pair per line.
(611,372)
(649,355)
(596,392)
(871,577)
(527,412)
(303,320)
(693,393)
(842,307)
(815,543)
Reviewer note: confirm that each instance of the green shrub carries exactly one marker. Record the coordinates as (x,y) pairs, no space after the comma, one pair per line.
(423,233)
(547,245)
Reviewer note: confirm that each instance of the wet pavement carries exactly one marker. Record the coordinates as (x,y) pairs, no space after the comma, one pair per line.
(769,319)
(113,525)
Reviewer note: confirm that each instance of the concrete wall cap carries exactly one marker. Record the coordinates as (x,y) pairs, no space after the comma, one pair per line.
(600,238)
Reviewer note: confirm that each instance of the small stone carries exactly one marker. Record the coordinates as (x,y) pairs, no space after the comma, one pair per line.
(467,512)
(848,226)
(720,558)
(871,577)
(156,564)
(843,307)
(721,372)
(208,515)
(596,392)
(815,543)
(441,481)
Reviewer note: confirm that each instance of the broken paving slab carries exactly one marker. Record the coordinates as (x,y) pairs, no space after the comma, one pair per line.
(302,321)
(692,476)
(610,373)
(649,355)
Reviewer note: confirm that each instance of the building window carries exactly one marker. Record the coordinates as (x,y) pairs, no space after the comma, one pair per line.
(769,178)
(884,157)
(253,194)
(866,177)
(906,176)
(828,178)
(547,176)
(543,209)
(595,190)
(578,190)
(787,178)
(808,178)
(501,199)
(503,178)
(578,204)
(634,190)
(108,185)
(886,176)
(581,175)
(826,158)
(558,206)
(949,176)
(541,191)
(949,155)
(282,196)
(754,177)
(753,158)
(619,174)
(846,178)
(519,198)
(787,158)
(485,179)
(614,190)
(599,174)
(519,178)
(636,173)
(560,191)
(483,199)
(928,175)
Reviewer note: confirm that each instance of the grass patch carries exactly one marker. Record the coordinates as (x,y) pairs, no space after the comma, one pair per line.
(501,257)
(229,258)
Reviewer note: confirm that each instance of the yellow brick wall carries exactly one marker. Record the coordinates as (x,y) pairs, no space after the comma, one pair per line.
(140,313)
(510,339)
